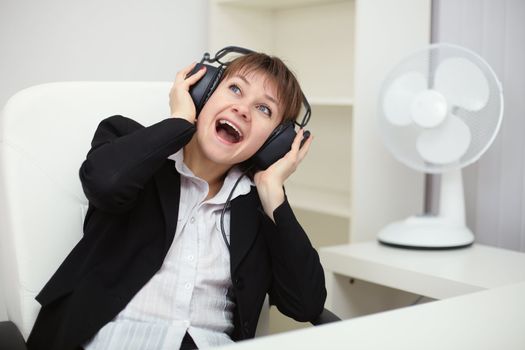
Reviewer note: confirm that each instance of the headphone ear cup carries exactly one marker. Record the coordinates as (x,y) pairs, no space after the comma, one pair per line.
(201,91)
(276,146)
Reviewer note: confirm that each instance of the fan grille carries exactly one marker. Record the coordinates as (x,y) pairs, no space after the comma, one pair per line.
(483,123)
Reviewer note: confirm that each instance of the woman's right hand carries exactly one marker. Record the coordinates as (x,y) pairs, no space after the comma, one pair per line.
(181,104)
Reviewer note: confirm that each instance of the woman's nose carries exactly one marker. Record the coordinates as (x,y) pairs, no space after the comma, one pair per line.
(242,110)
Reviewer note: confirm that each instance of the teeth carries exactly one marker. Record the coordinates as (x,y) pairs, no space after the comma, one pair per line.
(222,121)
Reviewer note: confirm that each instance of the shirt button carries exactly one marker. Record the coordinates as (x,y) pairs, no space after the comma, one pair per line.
(192,220)
(187,285)
(190,257)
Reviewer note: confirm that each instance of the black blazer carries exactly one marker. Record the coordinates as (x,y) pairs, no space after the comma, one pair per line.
(133,192)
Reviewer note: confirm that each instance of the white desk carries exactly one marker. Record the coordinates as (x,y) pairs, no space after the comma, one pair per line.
(483,306)
(491,319)
(436,274)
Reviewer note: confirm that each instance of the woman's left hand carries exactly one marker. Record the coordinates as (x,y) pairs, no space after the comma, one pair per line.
(270,182)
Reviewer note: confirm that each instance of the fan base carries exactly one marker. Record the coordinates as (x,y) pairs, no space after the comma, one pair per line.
(426,232)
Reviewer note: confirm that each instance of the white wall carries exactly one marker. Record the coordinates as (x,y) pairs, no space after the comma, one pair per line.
(50,40)
(55,40)
(495,185)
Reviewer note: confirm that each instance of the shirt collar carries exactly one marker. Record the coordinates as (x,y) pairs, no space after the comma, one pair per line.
(244,186)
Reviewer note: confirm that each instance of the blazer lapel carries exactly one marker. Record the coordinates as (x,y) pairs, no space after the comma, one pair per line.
(168,186)
(244,223)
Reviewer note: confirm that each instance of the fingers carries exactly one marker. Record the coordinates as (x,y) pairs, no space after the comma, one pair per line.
(286,166)
(297,153)
(300,152)
(196,77)
(297,140)
(182,76)
(305,148)
(181,103)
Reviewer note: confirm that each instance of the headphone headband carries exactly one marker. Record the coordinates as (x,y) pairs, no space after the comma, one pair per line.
(241,50)
(223,52)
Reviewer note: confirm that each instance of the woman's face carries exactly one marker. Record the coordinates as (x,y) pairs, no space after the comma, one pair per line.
(238,118)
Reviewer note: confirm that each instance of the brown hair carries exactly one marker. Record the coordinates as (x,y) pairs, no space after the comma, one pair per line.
(289,92)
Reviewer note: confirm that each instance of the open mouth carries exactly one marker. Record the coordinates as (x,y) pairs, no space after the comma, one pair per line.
(227,131)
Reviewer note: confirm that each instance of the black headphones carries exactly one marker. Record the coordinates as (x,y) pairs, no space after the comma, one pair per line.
(280,140)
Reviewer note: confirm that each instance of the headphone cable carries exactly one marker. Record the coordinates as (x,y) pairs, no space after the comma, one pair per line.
(227,205)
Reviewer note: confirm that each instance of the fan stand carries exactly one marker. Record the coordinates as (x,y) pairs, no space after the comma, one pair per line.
(447,230)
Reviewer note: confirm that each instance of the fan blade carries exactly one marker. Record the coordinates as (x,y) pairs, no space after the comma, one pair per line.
(398,98)
(462,83)
(446,143)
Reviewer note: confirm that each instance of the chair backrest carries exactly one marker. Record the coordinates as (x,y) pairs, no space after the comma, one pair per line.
(45,133)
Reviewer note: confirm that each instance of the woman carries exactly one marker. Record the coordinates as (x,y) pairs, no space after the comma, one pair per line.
(152,270)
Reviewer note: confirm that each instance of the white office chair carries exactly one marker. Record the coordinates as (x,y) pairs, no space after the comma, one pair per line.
(45,134)
(46,131)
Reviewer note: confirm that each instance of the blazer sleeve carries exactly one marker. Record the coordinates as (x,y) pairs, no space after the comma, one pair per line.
(298,285)
(124,155)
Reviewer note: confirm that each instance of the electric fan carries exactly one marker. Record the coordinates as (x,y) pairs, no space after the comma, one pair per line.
(439,111)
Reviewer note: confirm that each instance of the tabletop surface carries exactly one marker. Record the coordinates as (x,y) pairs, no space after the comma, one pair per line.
(490,319)
(469,269)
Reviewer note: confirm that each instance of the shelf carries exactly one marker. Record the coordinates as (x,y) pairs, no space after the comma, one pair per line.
(277,4)
(331,102)
(319,200)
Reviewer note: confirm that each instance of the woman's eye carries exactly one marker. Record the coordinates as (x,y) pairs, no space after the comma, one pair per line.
(235,88)
(265,110)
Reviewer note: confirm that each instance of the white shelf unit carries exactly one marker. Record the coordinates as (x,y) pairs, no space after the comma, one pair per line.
(340,50)
(342,102)
(276,4)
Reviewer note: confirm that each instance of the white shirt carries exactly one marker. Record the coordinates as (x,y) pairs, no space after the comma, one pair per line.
(191,291)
